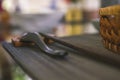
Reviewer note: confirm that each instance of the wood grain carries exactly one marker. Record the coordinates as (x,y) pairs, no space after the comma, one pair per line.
(74,67)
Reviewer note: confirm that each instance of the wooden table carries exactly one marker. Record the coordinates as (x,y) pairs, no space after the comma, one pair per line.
(5,65)
(87,60)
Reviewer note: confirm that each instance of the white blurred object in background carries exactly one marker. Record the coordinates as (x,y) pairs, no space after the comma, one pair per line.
(35,6)
(90,5)
(91,8)
(90,29)
(8,5)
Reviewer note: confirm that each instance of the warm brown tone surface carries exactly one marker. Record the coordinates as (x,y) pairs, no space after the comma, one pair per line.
(5,67)
(110,27)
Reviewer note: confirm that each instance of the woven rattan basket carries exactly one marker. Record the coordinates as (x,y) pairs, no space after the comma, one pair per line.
(110,27)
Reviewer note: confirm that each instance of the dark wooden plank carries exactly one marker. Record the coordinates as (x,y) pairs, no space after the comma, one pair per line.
(92,47)
(5,65)
(74,67)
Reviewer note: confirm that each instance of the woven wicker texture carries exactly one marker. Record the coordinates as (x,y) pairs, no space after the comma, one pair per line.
(110,27)
(111,10)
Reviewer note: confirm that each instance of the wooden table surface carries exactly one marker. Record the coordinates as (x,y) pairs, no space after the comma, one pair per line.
(5,65)
(87,60)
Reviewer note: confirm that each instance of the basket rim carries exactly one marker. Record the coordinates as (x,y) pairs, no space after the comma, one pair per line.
(110,10)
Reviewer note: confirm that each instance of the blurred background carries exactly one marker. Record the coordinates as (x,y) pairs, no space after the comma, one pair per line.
(58,17)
